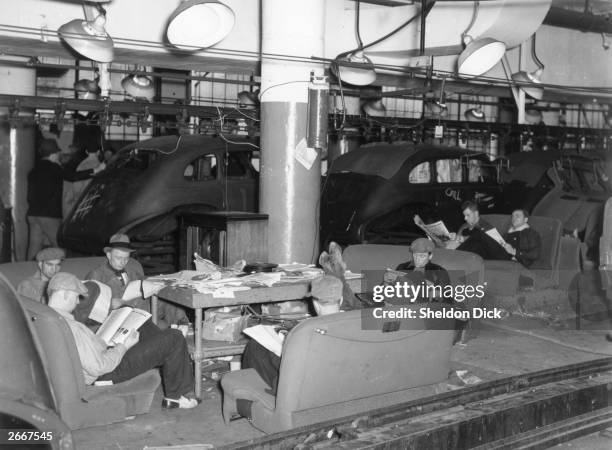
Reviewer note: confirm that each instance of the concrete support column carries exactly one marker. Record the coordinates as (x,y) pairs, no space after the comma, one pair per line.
(289,190)
(17,152)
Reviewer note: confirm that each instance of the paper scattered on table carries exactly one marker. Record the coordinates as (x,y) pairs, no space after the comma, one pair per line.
(306,156)
(468,378)
(265,278)
(293,267)
(141,288)
(183,275)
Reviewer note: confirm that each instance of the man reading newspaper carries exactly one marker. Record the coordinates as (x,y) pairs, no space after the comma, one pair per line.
(139,352)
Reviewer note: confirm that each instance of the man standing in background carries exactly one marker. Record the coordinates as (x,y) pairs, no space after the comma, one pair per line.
(73,191)
(45,188)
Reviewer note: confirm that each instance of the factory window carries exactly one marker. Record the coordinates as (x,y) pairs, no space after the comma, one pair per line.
(201,169)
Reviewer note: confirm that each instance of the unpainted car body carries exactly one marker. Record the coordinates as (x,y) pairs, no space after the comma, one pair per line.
(570,187)
(372,194)
(148,183)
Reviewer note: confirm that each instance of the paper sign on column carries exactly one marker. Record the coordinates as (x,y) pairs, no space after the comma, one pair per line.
(306,156)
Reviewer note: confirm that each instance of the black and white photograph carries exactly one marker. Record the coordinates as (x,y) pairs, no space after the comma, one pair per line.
(305,224)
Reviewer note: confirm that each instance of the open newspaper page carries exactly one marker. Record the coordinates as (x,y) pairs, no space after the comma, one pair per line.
(436,231)
(268,336)
(120,323)
(141,288)
(496,236)
(100,309)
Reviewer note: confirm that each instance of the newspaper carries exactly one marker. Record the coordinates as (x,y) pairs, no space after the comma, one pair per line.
(496,236)
(120,323)
(141,288)
(436,231)
(268,336)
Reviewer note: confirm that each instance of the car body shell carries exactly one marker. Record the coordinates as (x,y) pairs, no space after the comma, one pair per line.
(372,194)
(565,185)
(148,183)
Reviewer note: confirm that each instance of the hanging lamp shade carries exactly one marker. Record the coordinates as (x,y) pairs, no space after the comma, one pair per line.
(475,115)
(438,108)
(197,24)
(359,71)
(528,82)
(375,108)
(533,116)
(88,38)
(139,87)
(479,56)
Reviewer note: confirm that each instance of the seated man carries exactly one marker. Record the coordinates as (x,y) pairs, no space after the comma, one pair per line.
(433,274)
(141,352)
(522,242)
(120,268)
(326,292)
(49,262)
(472,236)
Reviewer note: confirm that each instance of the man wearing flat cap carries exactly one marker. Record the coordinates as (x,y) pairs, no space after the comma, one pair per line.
(142,350)
(49,262)
(117,272)
(326,293)
(45,187)
(420,268)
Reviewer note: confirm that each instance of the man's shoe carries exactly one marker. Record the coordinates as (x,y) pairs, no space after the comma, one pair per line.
(183,403)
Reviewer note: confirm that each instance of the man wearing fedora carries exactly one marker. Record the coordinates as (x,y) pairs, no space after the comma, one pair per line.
(45,187)
(49,262)
(143,350)
(120,268)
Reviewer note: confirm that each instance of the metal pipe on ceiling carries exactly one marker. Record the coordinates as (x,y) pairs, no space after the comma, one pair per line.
(576,20)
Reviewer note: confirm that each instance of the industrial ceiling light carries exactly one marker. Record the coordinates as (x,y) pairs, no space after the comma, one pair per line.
(529,82)
(138,86)
(89,38)
(479,55)
(354,67)
(533,116)
(475,114)
(197,24)
(375,108)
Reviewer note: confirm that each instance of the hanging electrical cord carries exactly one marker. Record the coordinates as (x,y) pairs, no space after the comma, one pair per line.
(537,60)
(401,27)
(472,21)
(357,27)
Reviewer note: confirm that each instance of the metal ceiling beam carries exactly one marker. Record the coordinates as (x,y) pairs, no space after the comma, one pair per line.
(16,103)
